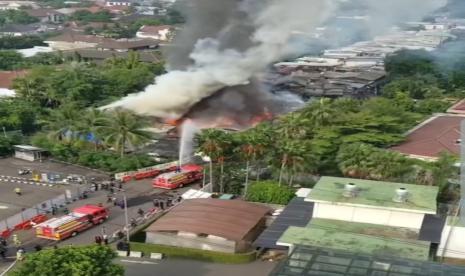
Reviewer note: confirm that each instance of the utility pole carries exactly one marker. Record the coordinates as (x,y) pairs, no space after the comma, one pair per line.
(125,202)
(462,172)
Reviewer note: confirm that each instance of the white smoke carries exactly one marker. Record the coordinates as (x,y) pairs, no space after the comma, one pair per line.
(215,66)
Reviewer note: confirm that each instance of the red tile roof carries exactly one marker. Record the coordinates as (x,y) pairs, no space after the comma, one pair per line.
(436,135)
(7,77)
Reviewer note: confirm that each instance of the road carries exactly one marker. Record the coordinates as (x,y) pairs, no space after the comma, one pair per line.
(180,267)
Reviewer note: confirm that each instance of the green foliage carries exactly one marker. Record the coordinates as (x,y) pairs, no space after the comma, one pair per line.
(16,17)
(20,42)
(196,254)
(83,84)
(9,60)
(408,62)
(76,261)
(270,192)
(87,16)
(16,114)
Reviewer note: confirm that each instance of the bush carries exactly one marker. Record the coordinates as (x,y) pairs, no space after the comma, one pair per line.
(197,254)
(270,192)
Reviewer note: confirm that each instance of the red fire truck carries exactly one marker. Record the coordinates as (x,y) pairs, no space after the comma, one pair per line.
(177,179)
(70,225)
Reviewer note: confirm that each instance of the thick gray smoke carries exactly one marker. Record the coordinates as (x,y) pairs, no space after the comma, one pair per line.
(227,42)
(215,65)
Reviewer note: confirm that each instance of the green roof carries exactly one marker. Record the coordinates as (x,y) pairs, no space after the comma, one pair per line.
(365,229)
(339,239)
(375,193)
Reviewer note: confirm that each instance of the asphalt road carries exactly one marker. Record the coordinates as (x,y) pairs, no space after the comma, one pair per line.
(180,267)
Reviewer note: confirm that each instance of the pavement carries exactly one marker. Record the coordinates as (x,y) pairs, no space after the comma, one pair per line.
(181,267)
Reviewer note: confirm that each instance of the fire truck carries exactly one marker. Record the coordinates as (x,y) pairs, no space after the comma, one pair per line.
(70,225)
(184,175)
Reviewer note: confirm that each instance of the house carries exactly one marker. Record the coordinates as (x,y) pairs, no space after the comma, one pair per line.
(210,224)
(29,153)
(16,5)
(162,32)
(440,133)
(72,41)
(20,30)
(6,82)
(47,15)
(360,216)
(126,3)
(99,56)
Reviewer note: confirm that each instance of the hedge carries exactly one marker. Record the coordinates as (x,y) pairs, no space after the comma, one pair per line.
(197,254)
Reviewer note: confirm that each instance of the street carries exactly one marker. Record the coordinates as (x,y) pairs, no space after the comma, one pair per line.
(181,267)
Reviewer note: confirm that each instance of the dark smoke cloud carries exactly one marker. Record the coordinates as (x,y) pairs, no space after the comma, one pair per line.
(226,43)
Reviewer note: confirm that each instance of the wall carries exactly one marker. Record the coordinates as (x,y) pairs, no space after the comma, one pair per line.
(368,215)
(455,244)
(203,243)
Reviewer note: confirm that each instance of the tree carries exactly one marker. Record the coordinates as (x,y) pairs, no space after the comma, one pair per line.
(270,192)
(77,261)
(90,126)
(10,60)
(62,124)
(214,143)
(123,130)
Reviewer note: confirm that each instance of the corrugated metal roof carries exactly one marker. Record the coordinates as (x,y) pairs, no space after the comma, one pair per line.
(229,219)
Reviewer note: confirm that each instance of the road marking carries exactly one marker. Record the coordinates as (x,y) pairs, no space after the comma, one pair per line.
(137,262)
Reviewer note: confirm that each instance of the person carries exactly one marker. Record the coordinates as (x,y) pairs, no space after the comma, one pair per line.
(105,239)
(54,209)
(3,251)
(18,191)
(16,240)
(20,254)
(140,212)
(38,247)
(98,240)
(3,241)
(133,222)
(120,185)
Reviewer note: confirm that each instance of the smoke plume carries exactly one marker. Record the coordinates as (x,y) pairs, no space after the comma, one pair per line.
(214,65)
(226,43)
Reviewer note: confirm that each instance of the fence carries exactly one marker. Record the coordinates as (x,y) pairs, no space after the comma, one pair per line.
(29,213)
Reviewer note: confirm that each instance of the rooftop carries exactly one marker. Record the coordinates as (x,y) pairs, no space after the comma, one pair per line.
(434,136)
(375,193)
(458,108)
(154,29)
(316,261)
(229,219)
(336,238)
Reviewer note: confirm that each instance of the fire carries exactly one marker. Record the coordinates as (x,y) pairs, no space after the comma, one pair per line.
(224,122)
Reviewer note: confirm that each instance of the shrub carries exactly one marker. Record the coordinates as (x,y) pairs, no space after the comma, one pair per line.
(270,192)
(197,254)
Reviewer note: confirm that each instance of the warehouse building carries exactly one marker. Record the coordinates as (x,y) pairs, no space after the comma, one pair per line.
(210,224)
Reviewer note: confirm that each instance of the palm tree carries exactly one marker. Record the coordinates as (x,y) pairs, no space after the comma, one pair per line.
(91,124)
(62,124)
(123,129)
(213,143)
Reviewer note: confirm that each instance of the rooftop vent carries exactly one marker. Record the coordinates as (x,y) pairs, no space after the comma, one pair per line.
(350,190)
(401,195)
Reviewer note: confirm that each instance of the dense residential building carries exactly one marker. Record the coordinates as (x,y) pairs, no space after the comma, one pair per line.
(99,56)
(162,32)
(126,3)
(72,41)
(47,15)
